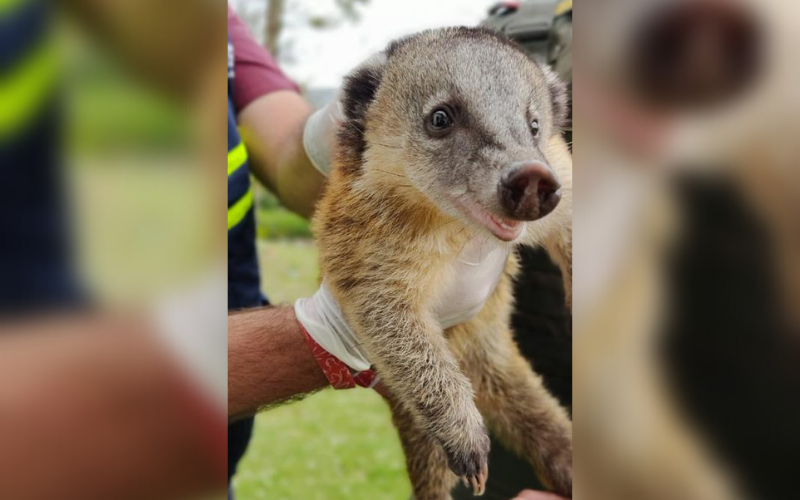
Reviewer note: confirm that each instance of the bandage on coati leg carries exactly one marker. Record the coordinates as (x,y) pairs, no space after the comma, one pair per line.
(511,396)
(426,462)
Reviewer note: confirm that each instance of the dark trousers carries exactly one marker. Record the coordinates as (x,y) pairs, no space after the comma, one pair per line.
(238,438)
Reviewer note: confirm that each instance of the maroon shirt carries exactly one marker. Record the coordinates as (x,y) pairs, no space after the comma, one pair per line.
(257,73)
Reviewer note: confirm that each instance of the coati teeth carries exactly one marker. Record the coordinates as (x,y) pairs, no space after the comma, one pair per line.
(506,224)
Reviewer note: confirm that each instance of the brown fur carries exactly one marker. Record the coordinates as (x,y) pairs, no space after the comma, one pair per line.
(386,252)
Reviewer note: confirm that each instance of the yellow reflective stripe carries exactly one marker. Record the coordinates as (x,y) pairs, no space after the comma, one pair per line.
(239,209)
(6,5)
(26,87)
(236,158)
(563,7)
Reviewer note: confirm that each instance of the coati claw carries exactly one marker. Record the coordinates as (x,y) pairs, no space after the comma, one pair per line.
(484,476)
(472,467)
(477,483)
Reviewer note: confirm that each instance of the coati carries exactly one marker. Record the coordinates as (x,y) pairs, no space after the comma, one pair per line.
(449,135)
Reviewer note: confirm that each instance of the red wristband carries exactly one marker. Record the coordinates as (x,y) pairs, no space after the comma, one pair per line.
(338,374)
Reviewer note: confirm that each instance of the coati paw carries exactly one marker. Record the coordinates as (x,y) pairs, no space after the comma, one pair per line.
(471,463)
(555,469)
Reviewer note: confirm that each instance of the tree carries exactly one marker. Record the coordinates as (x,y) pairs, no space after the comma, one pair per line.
(274,26)
(274,20)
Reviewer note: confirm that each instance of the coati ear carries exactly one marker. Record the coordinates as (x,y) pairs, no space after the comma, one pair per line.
(358,92)
(559,97)
(360,87)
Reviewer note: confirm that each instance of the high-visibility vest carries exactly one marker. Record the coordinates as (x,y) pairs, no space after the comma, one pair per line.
(28,64)
(36,271)
(243,277)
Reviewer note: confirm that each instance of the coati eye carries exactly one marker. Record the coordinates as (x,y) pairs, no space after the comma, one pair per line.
(535,128)
(439,122)
(440,119)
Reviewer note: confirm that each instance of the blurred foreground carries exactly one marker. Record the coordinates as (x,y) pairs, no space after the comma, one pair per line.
(112,304)
(686,249)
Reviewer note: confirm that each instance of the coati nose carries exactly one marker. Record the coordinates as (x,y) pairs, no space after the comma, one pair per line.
(529,191)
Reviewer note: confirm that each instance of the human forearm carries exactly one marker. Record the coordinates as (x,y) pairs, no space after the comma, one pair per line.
(272,130)
(95,408)
(268,360)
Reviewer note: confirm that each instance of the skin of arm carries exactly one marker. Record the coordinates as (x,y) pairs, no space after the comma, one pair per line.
(268,360)
(272,130)
(95,408)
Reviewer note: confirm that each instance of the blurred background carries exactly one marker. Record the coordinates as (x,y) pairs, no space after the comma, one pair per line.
(685,223)
(139,200)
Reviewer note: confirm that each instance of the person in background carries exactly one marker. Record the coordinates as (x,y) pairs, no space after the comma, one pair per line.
(266,117)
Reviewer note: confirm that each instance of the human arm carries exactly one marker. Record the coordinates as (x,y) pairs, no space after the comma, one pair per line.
(94,407)
(271,117)
(268,360)
(272,130)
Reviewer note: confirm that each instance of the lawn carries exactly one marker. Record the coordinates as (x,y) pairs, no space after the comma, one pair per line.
(332,445)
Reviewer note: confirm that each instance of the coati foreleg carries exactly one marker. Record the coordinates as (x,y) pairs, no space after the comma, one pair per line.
(426,462)
(409,350)
(517,406)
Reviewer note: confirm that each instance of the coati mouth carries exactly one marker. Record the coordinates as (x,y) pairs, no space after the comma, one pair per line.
(504,229)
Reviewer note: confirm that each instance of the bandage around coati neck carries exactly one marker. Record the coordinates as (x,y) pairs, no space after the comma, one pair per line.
(322,318)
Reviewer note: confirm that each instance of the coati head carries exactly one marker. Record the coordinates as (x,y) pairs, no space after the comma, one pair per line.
(459,118)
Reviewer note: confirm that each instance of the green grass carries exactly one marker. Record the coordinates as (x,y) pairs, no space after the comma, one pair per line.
(289,269)
(334,445)
(281,223)
(274,221)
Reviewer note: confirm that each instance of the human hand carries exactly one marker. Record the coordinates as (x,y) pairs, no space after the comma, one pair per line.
(537,495)
(321,129)
(319,135)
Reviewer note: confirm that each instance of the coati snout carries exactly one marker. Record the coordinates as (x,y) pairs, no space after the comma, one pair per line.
(529,191)
(459,120)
